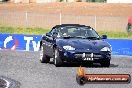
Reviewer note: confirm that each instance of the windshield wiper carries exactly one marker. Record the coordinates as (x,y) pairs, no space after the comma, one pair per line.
(67,37)
(79,37)
(92,38)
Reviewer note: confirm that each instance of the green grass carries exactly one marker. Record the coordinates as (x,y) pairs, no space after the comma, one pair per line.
(20,30)
(37,31)
(119,35)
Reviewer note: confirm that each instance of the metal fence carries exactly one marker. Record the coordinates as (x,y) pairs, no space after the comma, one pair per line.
(30,19)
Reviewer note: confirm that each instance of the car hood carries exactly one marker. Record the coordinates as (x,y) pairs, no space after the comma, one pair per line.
(83,43)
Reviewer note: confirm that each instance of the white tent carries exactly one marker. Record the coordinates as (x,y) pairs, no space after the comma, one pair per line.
(119,1)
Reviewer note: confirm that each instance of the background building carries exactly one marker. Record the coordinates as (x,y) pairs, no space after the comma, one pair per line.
(41,1)
(46,1)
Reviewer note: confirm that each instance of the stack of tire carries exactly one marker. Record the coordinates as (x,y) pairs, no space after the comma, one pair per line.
(2,83)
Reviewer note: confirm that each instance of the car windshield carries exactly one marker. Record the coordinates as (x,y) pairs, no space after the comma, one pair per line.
(77,32)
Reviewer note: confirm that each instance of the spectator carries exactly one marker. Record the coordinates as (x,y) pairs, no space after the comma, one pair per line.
(129,25)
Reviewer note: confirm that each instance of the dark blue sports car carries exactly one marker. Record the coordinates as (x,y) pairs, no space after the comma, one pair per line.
(74,43)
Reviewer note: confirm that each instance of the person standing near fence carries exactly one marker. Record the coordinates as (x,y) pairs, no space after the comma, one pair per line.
(129,25)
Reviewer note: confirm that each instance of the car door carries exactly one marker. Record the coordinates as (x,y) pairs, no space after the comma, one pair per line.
(49,46)
(50,42)
(45,44)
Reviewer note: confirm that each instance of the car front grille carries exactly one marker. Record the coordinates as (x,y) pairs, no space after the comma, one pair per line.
(80,55)
(97,56)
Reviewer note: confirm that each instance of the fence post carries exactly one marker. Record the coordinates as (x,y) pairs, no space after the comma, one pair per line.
(78,17)
(60,18)
(26,18)
(95,23)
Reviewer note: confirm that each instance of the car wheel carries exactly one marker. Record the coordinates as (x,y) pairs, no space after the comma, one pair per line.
(105,64)
(43,57)
(57,60)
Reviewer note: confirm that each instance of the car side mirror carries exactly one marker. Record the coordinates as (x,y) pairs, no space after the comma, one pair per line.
(48,34)
(55,34)
(104,37)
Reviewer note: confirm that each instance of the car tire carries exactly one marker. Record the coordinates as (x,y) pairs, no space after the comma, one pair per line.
(105,64)
(57,60)
(43,57)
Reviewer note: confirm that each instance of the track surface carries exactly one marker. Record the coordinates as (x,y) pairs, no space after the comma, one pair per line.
(25,68)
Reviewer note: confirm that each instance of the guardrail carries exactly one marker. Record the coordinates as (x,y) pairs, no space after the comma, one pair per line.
(32,43)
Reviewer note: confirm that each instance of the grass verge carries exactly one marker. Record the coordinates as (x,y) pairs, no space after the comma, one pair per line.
(37,31)
(20,30)
(120,35)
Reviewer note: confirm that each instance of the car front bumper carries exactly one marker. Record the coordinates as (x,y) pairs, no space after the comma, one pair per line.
(84,56)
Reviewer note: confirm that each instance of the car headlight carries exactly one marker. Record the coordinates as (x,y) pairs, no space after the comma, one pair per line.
(105,49)
(68,48)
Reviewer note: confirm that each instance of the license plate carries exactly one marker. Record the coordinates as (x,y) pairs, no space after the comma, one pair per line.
(88,59)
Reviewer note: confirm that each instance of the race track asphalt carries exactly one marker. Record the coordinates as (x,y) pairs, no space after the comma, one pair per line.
(24,67)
